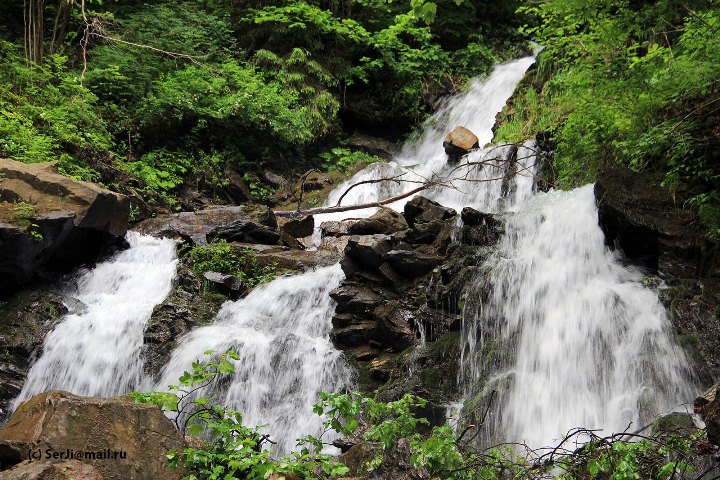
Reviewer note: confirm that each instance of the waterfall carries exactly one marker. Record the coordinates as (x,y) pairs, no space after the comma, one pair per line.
(281,331)
(424,158)
(566,335)
(97,351)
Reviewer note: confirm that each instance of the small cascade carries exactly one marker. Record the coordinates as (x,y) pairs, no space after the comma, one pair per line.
(282,333)
(476,181)
(565,335)
(97,351)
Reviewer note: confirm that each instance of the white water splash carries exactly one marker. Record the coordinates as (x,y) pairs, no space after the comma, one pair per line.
(97,352)
(566,335)
(282,333)
(425,158)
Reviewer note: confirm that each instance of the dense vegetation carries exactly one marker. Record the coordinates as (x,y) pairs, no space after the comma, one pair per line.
(393,433)
(152,97)
(632,84)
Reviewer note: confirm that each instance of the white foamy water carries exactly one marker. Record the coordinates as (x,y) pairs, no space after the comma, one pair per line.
(282,333)
(97,351)
(566,335)
(425,159)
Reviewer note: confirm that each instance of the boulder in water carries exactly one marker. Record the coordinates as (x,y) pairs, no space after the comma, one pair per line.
(298,227)
(368,249)
(119,438)
(385,220)
(424,210)
(459,142)
(52,221)
(410,264)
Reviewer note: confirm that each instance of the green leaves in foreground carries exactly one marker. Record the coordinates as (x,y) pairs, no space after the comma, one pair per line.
(395,432)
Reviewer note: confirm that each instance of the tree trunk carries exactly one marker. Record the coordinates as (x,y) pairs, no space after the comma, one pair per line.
(34,18)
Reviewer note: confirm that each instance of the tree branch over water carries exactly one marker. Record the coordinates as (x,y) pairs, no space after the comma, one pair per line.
(460,173)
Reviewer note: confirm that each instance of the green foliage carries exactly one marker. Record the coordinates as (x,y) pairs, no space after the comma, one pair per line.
(258,191)
(45,115)
(231,450)
(619,86)
(221,257)
(347,161)
(161,172)
(23,214)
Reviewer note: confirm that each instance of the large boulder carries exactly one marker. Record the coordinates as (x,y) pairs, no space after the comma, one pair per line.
(49,220)
(298,227)
(424,210)
(385,220)
(410,264)
(117,437)
(368,250)
(642,220)
(49,470)
(459,142)
(247,223)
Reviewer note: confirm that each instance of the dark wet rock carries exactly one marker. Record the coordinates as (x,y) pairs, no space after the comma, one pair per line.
(298,227)
(335,245)
(60,421)
(254,222)
(424,232)
(336,229)
(244,231)
(237,188)
(385,221)
(62,224)
(415,288)
(409,264)
(641,218)
(424,210)
(25,318)
(368,250)
(459,142)
(286,259)
(473,217)
(355,334)
(187,306)
(227,284)
(435,371)
(290,241)
(355,298)
(273,179)
(394,323)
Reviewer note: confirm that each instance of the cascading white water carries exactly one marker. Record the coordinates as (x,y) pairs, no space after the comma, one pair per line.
(567,336)
(425,158)
(97,351)
(282,333)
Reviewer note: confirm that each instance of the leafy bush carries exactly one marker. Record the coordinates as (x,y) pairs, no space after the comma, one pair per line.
(347,161)
(221,257)
(617,85)
(231,450)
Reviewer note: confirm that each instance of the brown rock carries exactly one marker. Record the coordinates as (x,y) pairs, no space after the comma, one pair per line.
(137,437)
(66,223)
(47,470)
(250,223)
(459,142)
